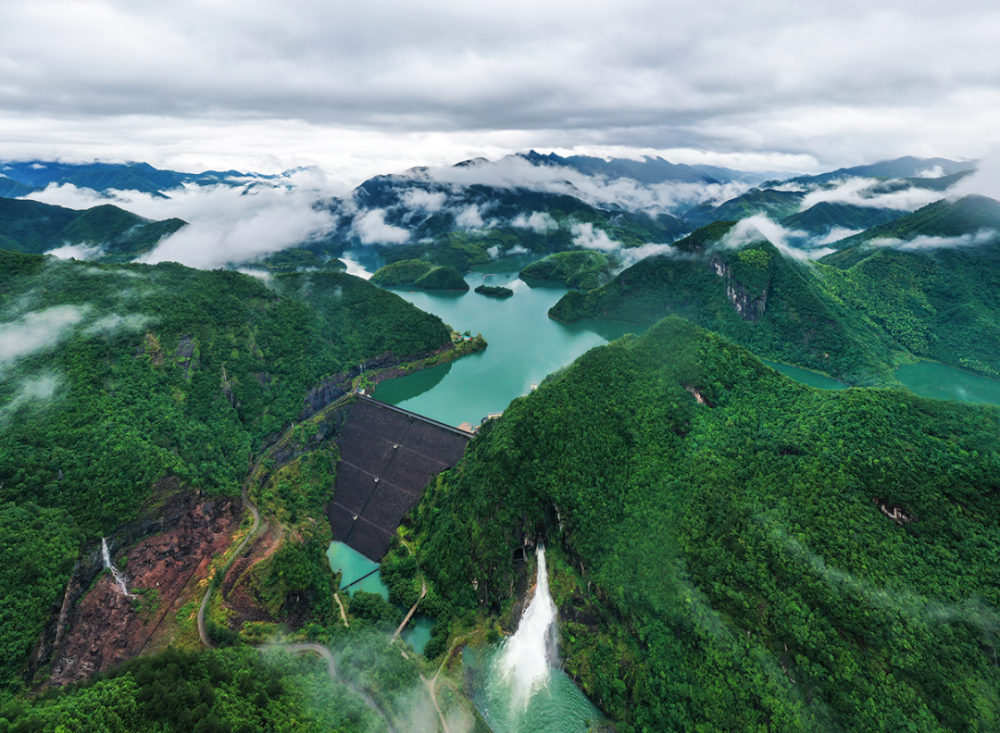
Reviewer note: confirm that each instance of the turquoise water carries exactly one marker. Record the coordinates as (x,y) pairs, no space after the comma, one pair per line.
(560,707)
(525,346)
(419,633)
(354,565)
(804,376)
(943,382)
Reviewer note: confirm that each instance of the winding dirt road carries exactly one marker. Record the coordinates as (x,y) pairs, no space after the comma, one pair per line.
(202,631)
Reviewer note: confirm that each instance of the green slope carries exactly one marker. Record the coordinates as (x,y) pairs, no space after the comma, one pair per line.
(825,216)
(753,295)
(967,216)
(941,303)
(420,274)
(34,227)
(775,204)
(118,377)
(719,543)
(584,270)
(9,188)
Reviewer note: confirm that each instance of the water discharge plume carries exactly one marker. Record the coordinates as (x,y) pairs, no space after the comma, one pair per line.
(524,663)
(119,578)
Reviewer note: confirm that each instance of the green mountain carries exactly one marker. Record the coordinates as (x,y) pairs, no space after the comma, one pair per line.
(104,177)
(730,550)
(936,290)
(120,380)
(584,270)
(420,274)
(9,188)
(967,216)
(649,170)
(931,289)
(825,216)
(775,204)
(751,294)
(33,227)
(905,167)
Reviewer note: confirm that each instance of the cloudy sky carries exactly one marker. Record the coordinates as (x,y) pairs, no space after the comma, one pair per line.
(362,88)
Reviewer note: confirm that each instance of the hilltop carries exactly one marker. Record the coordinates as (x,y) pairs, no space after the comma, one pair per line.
(927,284)
(107,231)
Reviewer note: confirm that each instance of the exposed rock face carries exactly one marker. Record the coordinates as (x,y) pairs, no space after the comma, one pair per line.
(749,308)
(107,628)
(335,387)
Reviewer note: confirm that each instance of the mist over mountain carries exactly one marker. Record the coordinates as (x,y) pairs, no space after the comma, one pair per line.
(529,203)
(132,388)
(105,177)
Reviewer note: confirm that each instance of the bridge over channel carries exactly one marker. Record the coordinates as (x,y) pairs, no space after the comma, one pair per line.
(387,456)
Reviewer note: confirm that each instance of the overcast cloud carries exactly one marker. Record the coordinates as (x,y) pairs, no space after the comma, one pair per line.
(362,88)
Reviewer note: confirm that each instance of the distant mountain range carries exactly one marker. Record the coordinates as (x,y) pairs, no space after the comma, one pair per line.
(478,210)
(35,175)
(927,283)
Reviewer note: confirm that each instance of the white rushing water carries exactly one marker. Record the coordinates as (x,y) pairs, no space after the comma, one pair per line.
(525,663)
(119,578)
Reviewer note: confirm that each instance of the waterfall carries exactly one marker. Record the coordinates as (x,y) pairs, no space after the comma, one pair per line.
(119,578)
(524,663)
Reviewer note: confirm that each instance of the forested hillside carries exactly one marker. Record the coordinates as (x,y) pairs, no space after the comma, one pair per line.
(926,284)
(731,550)
(113,233)
(751,293)
(116,378)
(584,270)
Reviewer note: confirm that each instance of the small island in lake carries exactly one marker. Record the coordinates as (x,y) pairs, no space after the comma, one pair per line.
(495,291)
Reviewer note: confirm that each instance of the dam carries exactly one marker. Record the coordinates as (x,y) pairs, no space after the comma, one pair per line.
(387,456)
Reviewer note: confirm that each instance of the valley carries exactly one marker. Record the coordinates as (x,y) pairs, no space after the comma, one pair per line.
(727,548)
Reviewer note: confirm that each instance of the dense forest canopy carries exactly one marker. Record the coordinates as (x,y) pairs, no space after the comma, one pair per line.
(729,550)
(931,289)
(118,377)
(738,551)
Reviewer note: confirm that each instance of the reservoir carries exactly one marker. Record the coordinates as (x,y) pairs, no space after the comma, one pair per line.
(525,346)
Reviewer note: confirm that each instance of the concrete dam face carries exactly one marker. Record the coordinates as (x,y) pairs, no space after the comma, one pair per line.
(387,457)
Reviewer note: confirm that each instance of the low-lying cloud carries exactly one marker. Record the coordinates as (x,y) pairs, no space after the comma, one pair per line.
(226,224)
(429,201)
(75,251)
(790,242)
(588,236)
(985,181)
(37,331)
(516,172)
(470,218)
(539,221)
(371,228)
(864,192)
(35,389)
(836,234)
(983,236)
(114,322)
(495,252)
